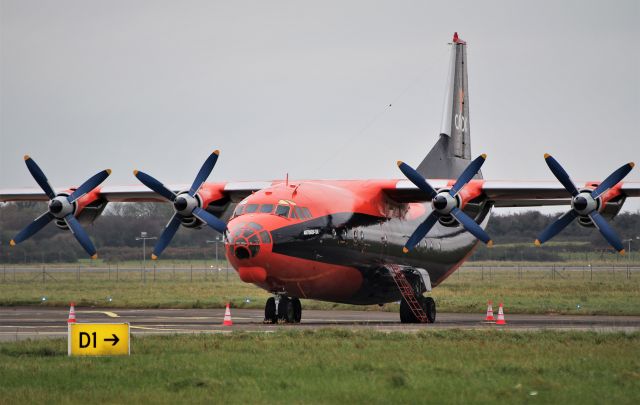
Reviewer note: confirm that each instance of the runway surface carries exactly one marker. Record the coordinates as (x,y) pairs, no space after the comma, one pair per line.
(18,323)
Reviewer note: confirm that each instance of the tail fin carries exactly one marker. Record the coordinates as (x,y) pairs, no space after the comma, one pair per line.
(452,153)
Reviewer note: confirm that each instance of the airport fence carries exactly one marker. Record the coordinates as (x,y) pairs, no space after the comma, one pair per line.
(116,272)
(221,271)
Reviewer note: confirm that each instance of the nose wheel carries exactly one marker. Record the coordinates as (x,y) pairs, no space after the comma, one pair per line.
(282,310)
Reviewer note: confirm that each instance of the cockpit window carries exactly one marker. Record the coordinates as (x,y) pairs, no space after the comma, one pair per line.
(251,208)
(238,211)
(306,212)
(282,210)
(266,208)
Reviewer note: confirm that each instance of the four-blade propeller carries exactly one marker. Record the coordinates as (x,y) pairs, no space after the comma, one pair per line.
(444,203)
(584,204)
(61,206)
(185,204)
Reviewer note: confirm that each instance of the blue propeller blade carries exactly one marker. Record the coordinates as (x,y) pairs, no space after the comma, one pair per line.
(32,228)
(154,185)
(420,232)
(417,179)
(561,174)
(210,219)
(607,231)
(81,235)
(204,172)
(89,185)
(467,174)
(39,177)
(168,233)
(613,179)
(557,226)
(470,225)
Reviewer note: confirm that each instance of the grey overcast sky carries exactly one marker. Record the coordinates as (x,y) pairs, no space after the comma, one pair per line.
(304,87)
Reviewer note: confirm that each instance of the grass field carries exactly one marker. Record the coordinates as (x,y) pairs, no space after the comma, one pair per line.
(334,366)
(523,290)
(530,290)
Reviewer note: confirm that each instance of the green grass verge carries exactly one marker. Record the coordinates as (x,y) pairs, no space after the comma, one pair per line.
(467,290)
(334,366)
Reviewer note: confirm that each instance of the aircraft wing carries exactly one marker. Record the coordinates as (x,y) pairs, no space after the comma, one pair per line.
(510,193)
(235,191)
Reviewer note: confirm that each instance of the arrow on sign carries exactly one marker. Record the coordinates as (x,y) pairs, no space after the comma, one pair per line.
(115,339)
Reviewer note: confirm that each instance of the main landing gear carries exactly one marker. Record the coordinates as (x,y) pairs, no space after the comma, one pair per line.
(281,309)
(427,304)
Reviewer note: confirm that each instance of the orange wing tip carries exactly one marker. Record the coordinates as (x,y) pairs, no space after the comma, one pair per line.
(490,243)
(12,242)
(405,250)
(632,164)
(216,152)
(154,257)
(484,156)
(94,257)
(546,155)
(27,157)
(537,242)
(135,172)
(622,252)
(399,163)
(108,171)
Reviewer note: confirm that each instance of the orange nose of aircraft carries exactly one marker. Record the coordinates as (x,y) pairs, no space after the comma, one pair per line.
(249,245)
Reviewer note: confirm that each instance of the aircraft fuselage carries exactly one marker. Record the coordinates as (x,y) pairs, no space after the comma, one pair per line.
(331,240)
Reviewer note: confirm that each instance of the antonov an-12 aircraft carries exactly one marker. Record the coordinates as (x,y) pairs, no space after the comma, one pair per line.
(349,241)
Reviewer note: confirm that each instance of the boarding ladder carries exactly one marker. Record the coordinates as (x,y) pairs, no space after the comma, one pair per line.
(407,293)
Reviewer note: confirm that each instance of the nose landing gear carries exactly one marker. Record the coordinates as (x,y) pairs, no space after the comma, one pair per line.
(282,309)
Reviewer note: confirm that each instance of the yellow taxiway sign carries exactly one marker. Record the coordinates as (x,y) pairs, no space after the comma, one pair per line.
(99,339)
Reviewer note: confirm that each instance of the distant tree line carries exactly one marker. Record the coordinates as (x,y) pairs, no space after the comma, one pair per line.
(114,234)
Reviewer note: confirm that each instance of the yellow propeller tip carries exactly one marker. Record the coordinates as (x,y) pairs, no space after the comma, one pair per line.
(135,172)
(108,171)
(405,250)
(12,242)
(537,242)
(94,257)
(484,155)
(622,252)
(490,243)
(216,152)
(154,257)
(546,155)
(632,164)
(27,157)
(399,162)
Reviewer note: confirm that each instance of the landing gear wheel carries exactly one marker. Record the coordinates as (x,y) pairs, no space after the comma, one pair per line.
(429,306)
(406,315)
(285,311)
(297,310)
(270,311)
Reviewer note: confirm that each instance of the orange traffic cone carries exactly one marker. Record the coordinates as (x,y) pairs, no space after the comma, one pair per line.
(501,320)
(72,313)
(227,317)
(489,317)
